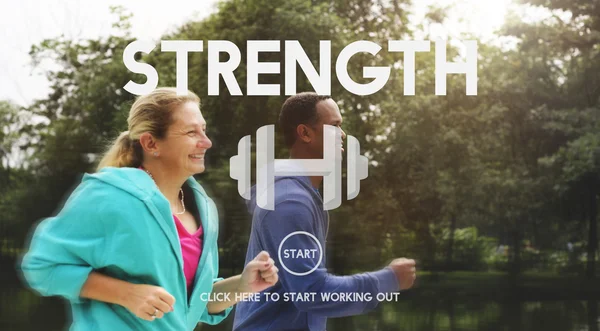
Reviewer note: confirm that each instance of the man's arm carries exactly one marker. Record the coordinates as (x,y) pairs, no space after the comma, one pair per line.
(292,216)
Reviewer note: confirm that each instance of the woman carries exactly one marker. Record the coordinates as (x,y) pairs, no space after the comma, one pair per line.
(135,245)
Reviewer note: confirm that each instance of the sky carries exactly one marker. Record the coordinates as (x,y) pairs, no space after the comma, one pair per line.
(27,22)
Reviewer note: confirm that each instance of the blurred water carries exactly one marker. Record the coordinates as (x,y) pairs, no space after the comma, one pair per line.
(21,309)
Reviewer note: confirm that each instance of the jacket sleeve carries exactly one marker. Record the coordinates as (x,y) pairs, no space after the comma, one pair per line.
(207,317)
(214,319)
(292,216)
(64,249)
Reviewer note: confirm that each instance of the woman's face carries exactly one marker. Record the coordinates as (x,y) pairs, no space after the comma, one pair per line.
(185,144)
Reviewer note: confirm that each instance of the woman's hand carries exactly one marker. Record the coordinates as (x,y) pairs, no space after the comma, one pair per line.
(142,300)
(259,274)
(148,302)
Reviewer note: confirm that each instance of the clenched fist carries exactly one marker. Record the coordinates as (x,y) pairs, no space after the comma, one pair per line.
(405,271)
(148,301)
(259,274)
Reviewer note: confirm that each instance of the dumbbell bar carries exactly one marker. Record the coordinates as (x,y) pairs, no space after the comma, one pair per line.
(330,167)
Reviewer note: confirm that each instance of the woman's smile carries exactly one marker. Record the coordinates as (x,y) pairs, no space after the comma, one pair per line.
(197,158)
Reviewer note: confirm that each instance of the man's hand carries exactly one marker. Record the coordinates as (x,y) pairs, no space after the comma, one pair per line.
(405,271)
(259,274)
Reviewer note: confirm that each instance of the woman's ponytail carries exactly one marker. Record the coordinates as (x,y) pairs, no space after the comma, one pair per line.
(121,153)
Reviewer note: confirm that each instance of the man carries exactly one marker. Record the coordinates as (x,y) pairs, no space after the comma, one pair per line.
(306,294)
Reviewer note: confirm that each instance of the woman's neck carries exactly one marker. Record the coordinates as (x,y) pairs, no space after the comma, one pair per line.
(169,184)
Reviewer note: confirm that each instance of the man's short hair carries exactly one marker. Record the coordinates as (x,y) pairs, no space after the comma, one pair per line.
(299,109)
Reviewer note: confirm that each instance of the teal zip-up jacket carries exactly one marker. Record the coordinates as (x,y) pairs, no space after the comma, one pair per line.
(118,223)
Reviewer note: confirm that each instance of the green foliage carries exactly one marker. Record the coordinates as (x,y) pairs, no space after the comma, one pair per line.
(471,250)
(451,177)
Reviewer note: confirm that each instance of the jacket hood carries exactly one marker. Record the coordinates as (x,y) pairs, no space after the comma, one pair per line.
(134,181)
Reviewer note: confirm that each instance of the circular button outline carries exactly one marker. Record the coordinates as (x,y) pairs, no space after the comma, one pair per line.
(306,272)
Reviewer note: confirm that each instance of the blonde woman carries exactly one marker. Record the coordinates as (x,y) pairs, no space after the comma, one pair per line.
(135,245)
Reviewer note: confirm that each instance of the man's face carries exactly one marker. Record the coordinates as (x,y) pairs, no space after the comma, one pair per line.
(327,113)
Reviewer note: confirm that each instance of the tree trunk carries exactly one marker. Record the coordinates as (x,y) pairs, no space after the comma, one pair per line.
(592,313)
(516,258)
(593,234)
(452,315)
(451,243)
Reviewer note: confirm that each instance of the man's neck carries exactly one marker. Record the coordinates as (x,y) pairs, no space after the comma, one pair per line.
(299,154)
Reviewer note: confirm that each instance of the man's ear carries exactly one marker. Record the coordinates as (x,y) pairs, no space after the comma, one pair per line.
(305,133)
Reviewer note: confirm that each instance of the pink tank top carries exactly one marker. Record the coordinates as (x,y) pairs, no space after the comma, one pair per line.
(191,248)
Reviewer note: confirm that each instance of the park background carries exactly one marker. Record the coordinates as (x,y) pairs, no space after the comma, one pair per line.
(495,195)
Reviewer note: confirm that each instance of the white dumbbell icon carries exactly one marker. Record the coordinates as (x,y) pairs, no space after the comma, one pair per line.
(330,167)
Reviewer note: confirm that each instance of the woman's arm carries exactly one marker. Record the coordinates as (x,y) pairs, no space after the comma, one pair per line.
(142,300)
(104,288)
(258,275)
(230,285)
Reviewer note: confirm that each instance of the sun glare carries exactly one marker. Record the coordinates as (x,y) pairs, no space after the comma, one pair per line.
(480,18)
(484,16)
